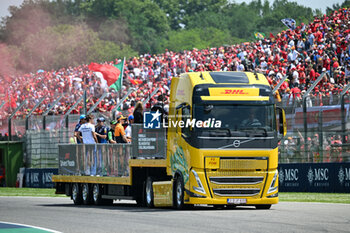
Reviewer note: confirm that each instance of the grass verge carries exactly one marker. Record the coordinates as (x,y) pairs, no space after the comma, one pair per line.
(34,192)
(316,197)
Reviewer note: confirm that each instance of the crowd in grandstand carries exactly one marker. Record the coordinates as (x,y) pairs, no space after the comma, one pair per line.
(302,54)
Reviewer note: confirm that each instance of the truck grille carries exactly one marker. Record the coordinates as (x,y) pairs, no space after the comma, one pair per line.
(237,180)
(243,163)
(236,192)
(238,176)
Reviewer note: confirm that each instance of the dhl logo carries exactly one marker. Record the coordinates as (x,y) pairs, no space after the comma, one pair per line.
(235,92)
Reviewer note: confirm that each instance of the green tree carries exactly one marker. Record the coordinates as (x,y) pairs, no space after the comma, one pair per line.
(146,22)
(196,38)
(115,30)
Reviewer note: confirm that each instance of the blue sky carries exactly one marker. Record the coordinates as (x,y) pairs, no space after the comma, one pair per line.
(315,4)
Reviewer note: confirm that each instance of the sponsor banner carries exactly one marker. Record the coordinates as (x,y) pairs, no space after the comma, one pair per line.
(68,162)
(94,159)
(314,177)
(39,177)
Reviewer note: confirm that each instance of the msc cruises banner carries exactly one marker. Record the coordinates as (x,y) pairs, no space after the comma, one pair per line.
(39,177)
(314,177)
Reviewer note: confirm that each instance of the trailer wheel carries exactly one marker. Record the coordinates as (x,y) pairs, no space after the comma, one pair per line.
(86,194)
(178,202)
(263,207)
(96,194)
(149,192)
(76,194)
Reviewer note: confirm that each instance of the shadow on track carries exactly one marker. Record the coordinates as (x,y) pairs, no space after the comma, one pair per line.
(133,207)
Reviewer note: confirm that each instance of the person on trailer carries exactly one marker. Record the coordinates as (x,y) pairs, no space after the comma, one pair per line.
(77,134)
(119,134)
(111,132)
(89,137)
(101,134)
(120,137)
(129,122)
(101,131)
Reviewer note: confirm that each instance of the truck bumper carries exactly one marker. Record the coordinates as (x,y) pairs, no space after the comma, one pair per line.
(223,201)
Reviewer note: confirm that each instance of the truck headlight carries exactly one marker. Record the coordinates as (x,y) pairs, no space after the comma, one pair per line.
(199,188)
(273,183)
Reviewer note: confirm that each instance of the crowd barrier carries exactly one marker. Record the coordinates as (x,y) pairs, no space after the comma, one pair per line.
(39,178)
(314,177)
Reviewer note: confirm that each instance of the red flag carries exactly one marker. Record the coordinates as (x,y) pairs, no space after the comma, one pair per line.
(271,35)
(135,81)
(110,73)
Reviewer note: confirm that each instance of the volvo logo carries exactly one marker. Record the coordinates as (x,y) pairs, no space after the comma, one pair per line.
(236,143)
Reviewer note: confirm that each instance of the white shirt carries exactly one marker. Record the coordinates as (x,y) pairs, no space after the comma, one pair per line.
(296,76)
(137,71)
(240,67)
(128,131)
(86,130)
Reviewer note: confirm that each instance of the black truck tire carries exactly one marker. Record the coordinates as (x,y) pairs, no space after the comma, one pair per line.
(76,194)
(178,200)
(149,196)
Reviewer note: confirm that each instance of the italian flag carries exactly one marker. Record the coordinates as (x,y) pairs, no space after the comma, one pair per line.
(113,74)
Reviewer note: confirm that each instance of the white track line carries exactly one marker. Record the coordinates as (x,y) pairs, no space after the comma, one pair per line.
(24,225)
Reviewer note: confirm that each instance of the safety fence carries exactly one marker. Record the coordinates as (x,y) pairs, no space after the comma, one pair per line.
(319,134)
(41,147)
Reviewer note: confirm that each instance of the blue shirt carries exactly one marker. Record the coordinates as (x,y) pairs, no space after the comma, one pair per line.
(77,130)
(103,130)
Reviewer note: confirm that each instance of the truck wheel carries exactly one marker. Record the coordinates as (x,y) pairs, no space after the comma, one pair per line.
(263,207)
(76,194)
(179,193)
(149,192)
(86,194)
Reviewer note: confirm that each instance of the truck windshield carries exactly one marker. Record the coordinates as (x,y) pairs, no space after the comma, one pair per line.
(236,120)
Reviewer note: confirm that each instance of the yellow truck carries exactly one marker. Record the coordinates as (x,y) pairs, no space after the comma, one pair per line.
(218,146)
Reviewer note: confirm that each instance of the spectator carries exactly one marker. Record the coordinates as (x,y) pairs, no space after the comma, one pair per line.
(138,113)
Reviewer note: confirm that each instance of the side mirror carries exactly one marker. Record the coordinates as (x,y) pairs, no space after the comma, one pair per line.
(282,125)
